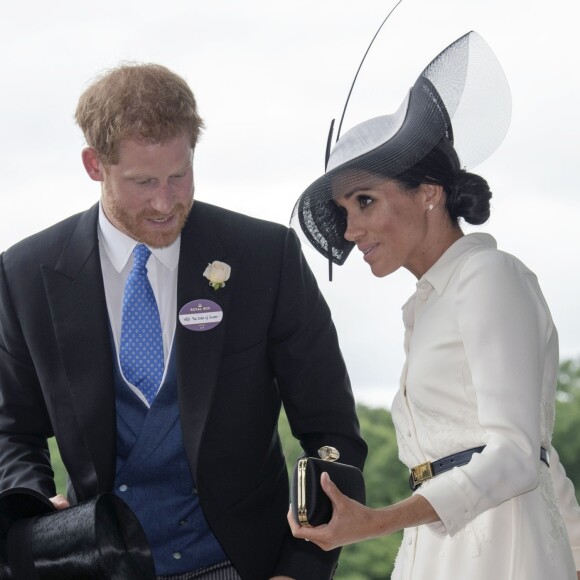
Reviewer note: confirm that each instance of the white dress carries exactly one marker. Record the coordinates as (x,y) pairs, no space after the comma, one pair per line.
(482,358)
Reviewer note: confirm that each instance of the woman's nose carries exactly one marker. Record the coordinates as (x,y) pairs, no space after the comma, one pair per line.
(353,230)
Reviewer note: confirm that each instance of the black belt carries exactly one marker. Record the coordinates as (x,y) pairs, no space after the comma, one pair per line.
(426,471)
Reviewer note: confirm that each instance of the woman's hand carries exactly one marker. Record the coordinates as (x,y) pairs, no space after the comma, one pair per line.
(351,521)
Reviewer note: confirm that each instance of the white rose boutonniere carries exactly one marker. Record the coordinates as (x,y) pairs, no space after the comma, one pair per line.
(217,273)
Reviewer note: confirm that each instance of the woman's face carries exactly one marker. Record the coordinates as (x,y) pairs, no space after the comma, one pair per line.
(387,223)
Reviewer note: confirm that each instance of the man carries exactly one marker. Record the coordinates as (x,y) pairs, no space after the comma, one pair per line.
(180,419)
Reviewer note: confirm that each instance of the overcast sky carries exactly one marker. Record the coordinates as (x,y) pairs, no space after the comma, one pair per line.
(269,76)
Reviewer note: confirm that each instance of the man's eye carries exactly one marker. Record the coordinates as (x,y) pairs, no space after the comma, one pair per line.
(144,181)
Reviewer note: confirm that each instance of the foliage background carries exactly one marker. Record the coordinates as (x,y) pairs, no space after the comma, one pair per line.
(386,477)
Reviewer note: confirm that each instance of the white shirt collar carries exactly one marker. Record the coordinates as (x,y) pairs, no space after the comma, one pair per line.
(119,246)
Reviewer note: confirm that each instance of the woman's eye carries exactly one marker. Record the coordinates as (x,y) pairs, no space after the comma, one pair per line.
(364,201)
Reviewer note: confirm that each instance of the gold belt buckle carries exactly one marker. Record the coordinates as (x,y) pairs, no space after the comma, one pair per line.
(421,473)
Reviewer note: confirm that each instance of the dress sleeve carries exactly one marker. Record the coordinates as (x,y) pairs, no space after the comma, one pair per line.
(506,330)
(569,508)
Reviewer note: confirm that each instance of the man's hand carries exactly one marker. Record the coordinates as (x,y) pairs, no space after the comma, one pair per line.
(59,502)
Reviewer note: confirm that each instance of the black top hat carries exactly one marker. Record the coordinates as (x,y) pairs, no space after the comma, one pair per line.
(462,96)
(98,539)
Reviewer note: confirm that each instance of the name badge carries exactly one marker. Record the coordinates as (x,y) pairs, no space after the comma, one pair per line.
(201,315)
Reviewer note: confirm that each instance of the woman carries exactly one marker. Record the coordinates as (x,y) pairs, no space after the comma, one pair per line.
(475,409)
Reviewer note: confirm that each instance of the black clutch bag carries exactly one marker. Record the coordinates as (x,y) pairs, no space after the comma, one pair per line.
(310,505)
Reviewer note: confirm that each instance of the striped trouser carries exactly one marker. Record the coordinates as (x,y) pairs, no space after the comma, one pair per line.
(221,571)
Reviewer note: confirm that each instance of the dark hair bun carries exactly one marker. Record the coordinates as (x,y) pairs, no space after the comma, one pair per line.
(469,198)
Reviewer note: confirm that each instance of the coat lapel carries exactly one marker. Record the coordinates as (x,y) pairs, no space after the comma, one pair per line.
(78,308)
(75,293)
(199,352)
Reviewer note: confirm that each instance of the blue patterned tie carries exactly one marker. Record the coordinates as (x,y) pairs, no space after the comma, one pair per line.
(141,350)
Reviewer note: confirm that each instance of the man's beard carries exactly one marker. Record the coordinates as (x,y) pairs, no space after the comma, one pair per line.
(133,225)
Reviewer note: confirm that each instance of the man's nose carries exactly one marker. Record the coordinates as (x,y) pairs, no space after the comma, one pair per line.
(163,199)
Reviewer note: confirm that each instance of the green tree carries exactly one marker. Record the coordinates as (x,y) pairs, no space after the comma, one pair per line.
(566,439)
(386,483)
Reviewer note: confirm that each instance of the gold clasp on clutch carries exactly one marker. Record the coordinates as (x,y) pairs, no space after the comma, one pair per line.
(421,473)
(328,453)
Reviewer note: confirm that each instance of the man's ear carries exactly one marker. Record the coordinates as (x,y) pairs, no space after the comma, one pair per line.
(93,165)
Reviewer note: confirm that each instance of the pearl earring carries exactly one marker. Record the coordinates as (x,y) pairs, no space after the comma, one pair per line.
(430,206)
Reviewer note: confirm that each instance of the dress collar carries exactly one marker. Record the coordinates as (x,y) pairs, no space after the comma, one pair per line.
(440,273)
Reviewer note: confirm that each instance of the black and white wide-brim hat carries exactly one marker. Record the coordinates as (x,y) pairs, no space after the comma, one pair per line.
(462,95)
(100,539)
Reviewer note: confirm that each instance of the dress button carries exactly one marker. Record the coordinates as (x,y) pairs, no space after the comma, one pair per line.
(194,491)
(183,523)
(123,487)
(177,555)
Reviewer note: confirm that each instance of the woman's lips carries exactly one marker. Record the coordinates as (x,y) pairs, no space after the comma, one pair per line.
(368,251)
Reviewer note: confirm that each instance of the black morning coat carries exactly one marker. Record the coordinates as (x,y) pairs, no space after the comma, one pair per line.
(276,345)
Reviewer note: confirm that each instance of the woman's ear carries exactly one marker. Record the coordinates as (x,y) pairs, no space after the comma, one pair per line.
(93,165)
(432,195)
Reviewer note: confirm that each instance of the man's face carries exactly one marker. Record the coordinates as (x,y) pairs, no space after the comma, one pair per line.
(148,194)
